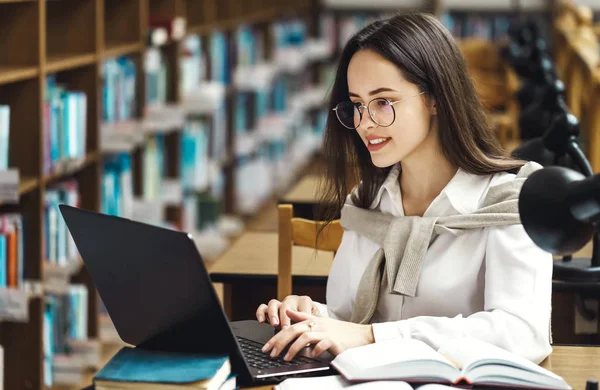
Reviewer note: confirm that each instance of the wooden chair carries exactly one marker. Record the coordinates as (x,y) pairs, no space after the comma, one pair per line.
(593,129)
(496,85)
(571,22)
(301,232)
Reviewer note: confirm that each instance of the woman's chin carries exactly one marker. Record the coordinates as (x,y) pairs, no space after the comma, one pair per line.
(384,161)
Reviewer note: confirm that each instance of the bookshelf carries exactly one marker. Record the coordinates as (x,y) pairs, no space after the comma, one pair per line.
(71,40)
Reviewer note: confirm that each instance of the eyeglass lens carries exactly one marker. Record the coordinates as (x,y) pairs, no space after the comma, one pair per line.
(381,111)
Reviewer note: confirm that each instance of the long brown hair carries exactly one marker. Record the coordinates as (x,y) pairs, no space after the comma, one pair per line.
(428,56)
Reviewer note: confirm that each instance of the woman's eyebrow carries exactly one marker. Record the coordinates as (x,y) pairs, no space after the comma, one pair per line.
(373,92)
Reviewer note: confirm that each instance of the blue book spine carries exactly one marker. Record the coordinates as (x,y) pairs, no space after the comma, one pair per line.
(3,261)
(117,206)
(49,348)
(82,124)
(64,126)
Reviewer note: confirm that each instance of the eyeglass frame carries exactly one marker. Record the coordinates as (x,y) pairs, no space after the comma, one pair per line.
(362,105)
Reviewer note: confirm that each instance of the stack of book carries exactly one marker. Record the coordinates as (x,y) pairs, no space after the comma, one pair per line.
(117,185)
(65,125)
(119,89)
(59,248)
(4,136)
(11,251)
(136,368)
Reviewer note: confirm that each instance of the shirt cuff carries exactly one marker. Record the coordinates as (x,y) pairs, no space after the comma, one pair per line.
(322,309)
(386,331)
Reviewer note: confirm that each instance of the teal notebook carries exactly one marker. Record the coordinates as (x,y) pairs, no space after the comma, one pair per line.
(132,365)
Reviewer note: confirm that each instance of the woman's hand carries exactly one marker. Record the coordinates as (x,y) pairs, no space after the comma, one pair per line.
(275,312)
(327,333)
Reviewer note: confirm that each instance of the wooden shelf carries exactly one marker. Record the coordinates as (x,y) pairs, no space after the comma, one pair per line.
(72,170)
(14,74)
(28,184)
(122,50)
(71,39)
(61,63)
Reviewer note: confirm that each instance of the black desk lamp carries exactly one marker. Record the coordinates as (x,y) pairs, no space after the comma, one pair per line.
(539,77)
(537,117)
(560,211)
(558,145)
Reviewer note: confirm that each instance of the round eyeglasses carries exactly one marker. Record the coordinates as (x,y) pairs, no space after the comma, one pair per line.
(380,110)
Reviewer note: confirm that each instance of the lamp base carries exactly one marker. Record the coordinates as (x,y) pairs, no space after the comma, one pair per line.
(576,270)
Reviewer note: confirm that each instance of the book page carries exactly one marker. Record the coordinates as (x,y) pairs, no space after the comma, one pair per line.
(352,362)
(470,353)
(333,382)
(337,382)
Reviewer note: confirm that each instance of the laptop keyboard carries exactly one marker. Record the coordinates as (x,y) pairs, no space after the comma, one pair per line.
(258,359)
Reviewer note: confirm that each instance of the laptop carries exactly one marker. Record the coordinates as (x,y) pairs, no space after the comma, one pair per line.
(159,296)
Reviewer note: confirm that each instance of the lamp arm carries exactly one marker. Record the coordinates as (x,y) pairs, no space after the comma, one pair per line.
(579,157)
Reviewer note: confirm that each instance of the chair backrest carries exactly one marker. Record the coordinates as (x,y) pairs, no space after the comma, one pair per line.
(301,232)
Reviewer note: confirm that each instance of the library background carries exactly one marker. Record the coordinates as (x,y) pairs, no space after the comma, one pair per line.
(199,115)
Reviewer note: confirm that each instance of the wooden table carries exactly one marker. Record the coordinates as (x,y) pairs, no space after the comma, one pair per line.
(575,364)
(304,197)
(248,272)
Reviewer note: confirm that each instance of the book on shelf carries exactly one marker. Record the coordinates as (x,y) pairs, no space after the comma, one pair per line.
(65,325)
(48,344)
(219,57)
(4,136)
(192,66)
(12,254)
(138,368)
(248,50)
(65,124)
(59,247)
(117,185)
(155,67)
(459,362)
(153,167)
(119,89)
(194,165)
(488,25)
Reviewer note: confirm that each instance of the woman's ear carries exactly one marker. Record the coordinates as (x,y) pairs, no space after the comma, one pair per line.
(433,108)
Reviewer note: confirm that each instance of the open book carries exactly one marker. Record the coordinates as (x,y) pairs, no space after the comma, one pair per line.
(461,361)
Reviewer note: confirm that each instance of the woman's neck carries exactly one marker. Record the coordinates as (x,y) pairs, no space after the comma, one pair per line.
(424,175)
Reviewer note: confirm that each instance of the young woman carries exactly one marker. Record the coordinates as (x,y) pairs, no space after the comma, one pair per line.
(433,247)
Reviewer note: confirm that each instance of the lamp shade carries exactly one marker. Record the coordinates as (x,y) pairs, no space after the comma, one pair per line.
(550,206)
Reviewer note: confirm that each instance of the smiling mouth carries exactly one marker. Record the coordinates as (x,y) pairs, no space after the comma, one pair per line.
(378,141)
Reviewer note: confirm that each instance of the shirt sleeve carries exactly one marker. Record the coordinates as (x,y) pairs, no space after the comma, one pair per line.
(323,310)
(517,308)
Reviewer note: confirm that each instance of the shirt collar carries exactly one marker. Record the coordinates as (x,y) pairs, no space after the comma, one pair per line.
(464,191)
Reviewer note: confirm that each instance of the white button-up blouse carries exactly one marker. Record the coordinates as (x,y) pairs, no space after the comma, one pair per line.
(494,283)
